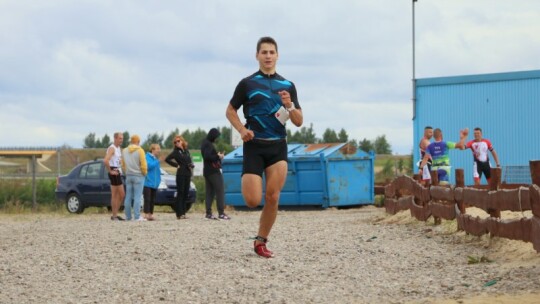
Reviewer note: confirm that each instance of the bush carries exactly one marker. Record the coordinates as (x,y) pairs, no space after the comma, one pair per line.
(18,192)
(201,190)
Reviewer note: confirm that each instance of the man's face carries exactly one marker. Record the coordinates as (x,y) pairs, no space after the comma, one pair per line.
(156,151)
(428,133)
(477,135)
(267,57)
(118,140)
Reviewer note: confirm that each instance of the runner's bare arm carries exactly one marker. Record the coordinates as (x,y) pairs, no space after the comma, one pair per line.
(234,119)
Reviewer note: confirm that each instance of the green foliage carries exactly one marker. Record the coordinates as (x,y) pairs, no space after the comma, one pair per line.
(168,143)
(195,138)
(381,145)
(365,145)
(105,141)
(330,136)
(18,192)
(126,139)
(152,139)
(400,165)
(201,190)
(343,136)
(379,201)
(89,141)
(388,169)
(303,136)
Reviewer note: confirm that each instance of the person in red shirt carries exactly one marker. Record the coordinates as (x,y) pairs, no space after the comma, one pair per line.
(480,147)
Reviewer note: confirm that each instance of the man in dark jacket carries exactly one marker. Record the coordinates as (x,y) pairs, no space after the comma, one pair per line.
(212,176)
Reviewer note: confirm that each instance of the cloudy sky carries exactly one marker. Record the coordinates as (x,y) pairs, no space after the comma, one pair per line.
(73,67)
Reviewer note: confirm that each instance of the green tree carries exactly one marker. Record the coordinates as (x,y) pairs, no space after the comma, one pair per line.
(400,165)
(304,136)
(329,136)
(90,141)
(388,169)
(343,136)
(381,145)
(195,138)
(168,142)
(105,141)
(154,138)
(365,145)
(226,133)
(126,139)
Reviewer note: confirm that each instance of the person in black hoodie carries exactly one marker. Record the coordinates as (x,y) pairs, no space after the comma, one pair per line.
(212,176)
(181,160)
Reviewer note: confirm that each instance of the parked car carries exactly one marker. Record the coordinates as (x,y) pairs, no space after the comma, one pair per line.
(88,185)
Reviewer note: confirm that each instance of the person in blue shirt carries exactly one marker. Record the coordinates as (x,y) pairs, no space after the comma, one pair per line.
(268,101)
(152,181)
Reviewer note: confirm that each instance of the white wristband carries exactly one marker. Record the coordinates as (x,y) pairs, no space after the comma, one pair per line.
(291,108)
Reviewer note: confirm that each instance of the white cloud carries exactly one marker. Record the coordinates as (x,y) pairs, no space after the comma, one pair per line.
(74,67)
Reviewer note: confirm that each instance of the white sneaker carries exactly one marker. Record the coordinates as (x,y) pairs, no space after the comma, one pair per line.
(141,219)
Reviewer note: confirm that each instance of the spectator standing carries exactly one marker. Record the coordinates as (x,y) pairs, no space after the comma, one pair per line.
(480,147)
(135,168)
(212,176)
(439,153)
(152,181)
(424,143)
(181,160)
(113,161)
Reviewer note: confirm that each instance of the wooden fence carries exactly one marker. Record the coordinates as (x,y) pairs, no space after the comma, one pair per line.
(447,202)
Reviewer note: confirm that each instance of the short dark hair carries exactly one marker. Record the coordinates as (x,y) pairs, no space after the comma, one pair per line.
(428,128)
(266,40)
(478,129)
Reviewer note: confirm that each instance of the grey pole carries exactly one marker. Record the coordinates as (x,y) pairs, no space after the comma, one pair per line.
(34,203)
(413,63)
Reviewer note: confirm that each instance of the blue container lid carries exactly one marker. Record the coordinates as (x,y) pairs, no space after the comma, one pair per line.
(309,151)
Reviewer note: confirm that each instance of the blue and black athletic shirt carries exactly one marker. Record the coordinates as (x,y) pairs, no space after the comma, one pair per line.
(258,94)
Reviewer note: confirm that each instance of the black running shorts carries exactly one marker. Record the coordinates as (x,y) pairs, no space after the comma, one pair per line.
(116,180)
(260,154)
(483,167)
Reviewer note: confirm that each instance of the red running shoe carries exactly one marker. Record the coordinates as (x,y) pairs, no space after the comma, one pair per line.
(261,250)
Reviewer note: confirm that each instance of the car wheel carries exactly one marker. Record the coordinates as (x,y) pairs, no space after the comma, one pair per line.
(74,204)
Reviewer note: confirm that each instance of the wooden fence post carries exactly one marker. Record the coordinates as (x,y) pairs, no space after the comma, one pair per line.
(460,182)
(434,177)
(534,166)
(435,182)
(494,185)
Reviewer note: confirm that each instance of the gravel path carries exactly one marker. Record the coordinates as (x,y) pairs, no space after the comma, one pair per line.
(322,256)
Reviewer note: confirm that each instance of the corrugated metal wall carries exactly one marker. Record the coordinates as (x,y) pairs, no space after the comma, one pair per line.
(506,106)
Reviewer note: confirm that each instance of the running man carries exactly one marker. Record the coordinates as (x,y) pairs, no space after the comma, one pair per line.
(480,147)
(268,100)
(438,151)
(113,161)
(424,143)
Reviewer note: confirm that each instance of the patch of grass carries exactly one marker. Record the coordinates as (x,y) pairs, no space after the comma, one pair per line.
(476,260)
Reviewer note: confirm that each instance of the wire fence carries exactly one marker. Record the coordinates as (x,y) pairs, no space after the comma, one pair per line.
(516,175)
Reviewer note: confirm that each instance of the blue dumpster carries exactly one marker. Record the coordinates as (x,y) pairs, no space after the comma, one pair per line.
(325,175)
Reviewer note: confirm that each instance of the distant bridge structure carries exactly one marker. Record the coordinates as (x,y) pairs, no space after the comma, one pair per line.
(32,153)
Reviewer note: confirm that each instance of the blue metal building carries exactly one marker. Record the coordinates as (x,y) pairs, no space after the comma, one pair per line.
(505,105)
